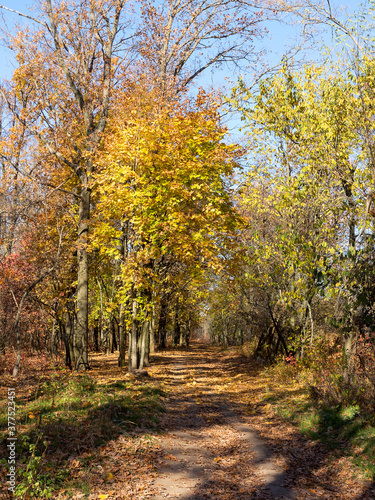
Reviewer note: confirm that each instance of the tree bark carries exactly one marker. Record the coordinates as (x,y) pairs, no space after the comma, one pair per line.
(134,338)
(152,331)
(145,344)
(162,324)
(69,339)
(81,337)
(96,336)
(122,338)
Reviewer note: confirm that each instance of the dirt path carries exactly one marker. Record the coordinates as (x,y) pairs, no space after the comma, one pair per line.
(213,448)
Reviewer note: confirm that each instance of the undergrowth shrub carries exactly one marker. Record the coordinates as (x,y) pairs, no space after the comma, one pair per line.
(324,371)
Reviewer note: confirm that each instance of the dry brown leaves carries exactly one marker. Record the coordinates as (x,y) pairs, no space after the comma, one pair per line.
(208,391)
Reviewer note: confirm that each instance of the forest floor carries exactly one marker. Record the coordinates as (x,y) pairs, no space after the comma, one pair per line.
(199,426)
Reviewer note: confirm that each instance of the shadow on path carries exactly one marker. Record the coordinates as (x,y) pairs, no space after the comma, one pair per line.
(199,419)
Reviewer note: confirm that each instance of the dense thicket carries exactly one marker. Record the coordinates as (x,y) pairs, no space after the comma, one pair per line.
(305,287)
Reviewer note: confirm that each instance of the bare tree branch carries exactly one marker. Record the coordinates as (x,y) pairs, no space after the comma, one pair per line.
(24,15)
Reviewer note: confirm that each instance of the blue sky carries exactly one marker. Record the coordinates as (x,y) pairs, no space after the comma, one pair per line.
(275,45)
(281,36)
(6,58)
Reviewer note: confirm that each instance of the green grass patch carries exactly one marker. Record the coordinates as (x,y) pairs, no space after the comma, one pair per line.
(345,428)
(70,416)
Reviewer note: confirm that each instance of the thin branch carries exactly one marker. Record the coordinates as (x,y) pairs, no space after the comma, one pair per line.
(24,15)
(23,298)
(38,134)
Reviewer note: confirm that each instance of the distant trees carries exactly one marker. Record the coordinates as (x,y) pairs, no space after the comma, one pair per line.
(162,178)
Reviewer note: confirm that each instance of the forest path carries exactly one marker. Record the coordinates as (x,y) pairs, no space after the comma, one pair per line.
(220,443)
(209,451)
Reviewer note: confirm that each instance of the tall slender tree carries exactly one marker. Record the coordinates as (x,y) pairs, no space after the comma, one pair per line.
(66,68)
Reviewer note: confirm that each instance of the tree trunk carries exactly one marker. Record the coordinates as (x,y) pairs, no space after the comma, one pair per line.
(130,345)
(122,338)
(152,332)
(110,336)
(18,358)
(106,337)
(114,345)
(146,361)
(188,332)
(162,324)
(134,338)
(81,337)
(68,359)
(96,336)
(145,344)
(101,314)
(349,346)
(69,339)
(348,189)
(177,328)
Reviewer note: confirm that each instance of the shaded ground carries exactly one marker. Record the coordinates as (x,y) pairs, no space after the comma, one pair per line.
(222,443)
(219,439)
